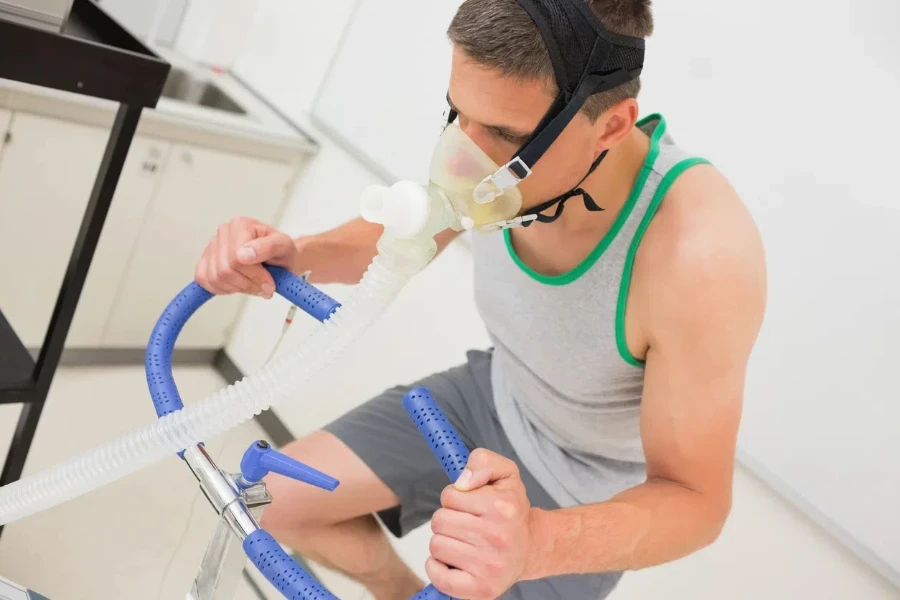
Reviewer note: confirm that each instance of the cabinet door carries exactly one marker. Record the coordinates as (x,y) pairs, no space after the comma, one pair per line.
(138,17)
(5,117)
(142,169)
(199,190)
(47,171)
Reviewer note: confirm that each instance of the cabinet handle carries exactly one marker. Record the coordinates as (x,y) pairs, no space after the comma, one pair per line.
(149,167)
(187,158)
(7,137)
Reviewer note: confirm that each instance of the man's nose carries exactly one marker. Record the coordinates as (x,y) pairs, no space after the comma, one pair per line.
(478,134)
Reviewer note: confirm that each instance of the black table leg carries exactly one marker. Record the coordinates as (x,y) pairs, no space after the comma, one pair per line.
(21,442)
(117,147)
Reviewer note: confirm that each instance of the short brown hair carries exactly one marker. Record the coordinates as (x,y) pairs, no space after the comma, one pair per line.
(499,34)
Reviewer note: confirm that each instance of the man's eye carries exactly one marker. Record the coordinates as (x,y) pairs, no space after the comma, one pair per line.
(508,137)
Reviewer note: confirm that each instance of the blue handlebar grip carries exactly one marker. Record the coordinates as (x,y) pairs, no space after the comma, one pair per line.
(302,294)
(158,358)
(431,593)
(281,570)
(443,440)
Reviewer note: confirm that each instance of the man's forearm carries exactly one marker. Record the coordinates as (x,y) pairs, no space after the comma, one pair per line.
(650,524)
(342,254)
(339,255)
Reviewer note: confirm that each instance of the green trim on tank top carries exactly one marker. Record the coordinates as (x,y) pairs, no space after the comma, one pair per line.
(658,196)
(599,249)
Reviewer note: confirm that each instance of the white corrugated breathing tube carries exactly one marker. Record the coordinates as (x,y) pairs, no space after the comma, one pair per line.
(405,248)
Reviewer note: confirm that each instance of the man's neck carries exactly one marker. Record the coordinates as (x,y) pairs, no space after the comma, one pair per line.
(609,186)
(556,248)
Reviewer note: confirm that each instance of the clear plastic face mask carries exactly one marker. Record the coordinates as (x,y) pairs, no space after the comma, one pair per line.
(458,166)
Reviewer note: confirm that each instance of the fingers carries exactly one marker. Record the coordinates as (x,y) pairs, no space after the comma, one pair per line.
(228,269)
(491,501)
(453,582)
(485,467)
(232,260)
(273,248)
(200,275)
(477,502)
(458,525)
(452,552)
(207,272)
(245,257)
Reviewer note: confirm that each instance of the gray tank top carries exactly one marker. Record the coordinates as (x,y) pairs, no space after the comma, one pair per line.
(567,390)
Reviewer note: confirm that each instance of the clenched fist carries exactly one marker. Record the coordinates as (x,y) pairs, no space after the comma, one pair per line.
(232,261)
(482,535)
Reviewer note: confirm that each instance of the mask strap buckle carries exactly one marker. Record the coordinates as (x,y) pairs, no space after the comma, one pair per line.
(522,221)
(507,177)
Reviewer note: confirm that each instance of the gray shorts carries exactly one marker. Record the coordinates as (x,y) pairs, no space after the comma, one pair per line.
(383,436)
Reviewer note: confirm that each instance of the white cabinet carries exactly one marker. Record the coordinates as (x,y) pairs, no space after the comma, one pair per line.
(47,171)
(5,117)
(169,201)
(198,190)
(142,170)
(138,15)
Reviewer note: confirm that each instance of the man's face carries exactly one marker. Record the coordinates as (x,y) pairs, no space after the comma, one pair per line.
(499,113)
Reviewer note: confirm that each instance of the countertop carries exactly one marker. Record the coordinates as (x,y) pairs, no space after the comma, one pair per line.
(261,132)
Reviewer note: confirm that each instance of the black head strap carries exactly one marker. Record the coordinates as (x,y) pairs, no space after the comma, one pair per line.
(560,201)
(587,59)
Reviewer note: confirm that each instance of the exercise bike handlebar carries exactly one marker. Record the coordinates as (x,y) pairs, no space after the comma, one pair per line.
(273,562)
(158,358)
(290,578)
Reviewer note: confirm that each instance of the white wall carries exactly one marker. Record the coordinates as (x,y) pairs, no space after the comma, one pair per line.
(138,16)
(289,48)
(768,549)
(213,32)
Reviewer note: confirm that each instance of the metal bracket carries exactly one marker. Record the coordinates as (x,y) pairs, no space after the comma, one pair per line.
(240,511)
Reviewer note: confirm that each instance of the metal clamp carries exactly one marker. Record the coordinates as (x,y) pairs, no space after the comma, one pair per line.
(239,510)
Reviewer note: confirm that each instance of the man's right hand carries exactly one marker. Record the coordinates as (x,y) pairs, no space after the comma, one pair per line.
(232,261)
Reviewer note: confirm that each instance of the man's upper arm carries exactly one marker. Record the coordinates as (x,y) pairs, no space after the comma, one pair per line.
(709,304)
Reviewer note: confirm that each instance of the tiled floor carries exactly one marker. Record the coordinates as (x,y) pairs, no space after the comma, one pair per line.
(142,537)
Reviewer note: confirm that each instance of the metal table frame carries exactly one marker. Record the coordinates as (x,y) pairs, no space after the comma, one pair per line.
(95,56)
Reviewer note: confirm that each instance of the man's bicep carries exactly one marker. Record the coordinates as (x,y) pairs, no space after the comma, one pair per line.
(694,381)
(689,418)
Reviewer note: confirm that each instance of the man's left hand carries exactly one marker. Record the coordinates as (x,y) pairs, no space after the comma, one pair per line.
(482,535)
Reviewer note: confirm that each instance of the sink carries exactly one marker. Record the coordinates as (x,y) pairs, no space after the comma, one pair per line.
(185,87)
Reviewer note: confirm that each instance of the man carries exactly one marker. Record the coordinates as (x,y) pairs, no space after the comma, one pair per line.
(605,415)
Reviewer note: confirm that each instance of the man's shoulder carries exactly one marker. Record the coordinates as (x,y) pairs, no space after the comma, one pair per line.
(702,223)
(702,241)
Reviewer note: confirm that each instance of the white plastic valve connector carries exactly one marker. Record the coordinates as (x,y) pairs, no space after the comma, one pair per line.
(403,208)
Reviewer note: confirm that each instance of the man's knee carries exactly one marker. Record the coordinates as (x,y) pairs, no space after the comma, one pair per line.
(298,506)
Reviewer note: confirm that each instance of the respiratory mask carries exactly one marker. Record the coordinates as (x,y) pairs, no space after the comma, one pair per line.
(465,181)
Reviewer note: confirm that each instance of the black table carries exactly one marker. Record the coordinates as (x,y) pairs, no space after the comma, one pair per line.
(94,56)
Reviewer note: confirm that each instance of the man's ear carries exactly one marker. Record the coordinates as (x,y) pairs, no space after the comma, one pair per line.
(615,124)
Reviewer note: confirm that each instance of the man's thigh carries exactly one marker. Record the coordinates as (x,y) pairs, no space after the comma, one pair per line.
(383,464)
(382,434)
(298,505)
